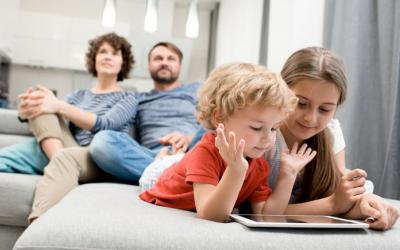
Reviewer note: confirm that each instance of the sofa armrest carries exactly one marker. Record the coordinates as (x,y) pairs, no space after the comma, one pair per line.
(9,123)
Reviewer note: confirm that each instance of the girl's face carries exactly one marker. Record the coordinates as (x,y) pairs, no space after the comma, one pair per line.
(257,126)
(316,107)
(108,60)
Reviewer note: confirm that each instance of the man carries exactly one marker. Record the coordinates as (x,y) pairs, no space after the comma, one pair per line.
(168,108)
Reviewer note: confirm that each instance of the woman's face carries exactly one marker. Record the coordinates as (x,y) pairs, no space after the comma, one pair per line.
(316,107)
(108,60)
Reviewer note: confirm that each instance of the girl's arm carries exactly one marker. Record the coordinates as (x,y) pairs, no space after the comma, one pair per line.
(216,202)
(291,164)
(350,189)
(369,205)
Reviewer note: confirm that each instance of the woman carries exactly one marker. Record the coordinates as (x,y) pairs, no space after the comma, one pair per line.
(105,106)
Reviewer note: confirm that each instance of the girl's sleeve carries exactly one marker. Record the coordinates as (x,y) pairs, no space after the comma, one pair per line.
(123,112)
(338,143)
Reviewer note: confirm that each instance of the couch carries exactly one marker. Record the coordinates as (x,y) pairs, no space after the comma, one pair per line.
(111,216)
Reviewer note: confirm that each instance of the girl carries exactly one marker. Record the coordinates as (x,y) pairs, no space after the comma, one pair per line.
(318,79)
(244,103)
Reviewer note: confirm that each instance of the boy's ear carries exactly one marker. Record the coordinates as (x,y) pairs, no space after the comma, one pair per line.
(216,118)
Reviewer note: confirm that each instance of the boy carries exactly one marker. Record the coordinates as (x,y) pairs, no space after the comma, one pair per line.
(244,103)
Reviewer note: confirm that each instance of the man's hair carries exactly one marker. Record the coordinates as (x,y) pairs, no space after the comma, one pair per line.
(118,43)
(169,46)
(235,86)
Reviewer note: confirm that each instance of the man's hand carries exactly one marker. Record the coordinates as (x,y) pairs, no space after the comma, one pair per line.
(230,151)
(36,102)
(179,141)
(294,161)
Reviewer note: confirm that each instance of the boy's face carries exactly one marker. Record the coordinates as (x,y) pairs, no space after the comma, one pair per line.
(257,126)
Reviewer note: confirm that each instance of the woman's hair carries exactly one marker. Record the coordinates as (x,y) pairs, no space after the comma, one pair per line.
(321,176)
(234,86)
(118,43)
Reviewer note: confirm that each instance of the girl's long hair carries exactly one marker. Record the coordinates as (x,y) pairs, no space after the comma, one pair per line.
(321,176)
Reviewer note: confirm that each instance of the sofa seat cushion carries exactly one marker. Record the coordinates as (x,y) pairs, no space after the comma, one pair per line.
(16,195)
(9,123)
(111,216)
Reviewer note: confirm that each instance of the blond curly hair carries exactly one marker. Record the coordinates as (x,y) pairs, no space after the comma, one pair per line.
(234,86)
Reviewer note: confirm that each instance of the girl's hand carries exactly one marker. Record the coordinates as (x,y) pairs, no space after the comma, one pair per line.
(350,189)
(230,151)
(35,103)
(294,161)
(382,215)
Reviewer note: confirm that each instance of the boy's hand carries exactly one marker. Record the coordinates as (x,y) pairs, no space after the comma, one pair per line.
(294,161)
(230,151)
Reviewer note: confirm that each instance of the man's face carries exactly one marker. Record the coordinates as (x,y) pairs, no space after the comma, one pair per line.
(164,65)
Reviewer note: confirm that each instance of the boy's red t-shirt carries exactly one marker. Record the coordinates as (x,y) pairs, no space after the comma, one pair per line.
(203,164)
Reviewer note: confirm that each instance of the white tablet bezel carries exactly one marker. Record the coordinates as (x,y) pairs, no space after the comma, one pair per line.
(348,225)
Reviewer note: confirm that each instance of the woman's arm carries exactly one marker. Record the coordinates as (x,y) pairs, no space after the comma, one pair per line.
(44,101)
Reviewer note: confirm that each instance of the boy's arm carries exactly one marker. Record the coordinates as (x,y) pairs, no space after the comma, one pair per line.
(216,202)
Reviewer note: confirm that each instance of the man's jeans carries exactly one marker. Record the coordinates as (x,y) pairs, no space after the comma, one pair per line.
(116,153)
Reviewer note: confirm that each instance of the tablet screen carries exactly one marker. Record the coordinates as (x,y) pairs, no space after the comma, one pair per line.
(294,219)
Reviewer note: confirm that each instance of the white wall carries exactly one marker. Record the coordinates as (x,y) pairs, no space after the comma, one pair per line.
(239,31)
(130,13)
(293,24)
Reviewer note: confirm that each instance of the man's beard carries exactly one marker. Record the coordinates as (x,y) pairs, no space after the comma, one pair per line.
(163,80)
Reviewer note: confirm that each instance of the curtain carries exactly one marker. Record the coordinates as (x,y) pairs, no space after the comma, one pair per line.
(366,34)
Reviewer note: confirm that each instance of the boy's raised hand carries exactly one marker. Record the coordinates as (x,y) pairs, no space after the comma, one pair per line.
(230,151)
(293,161)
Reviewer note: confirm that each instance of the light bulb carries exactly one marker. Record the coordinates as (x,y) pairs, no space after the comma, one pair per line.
(192,23)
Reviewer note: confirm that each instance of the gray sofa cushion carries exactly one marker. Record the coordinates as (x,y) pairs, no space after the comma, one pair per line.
(8,236)
(111,216)
(16,194)
(8,140)
(9,124)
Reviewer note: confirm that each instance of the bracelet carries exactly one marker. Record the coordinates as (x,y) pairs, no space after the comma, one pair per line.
(22,120)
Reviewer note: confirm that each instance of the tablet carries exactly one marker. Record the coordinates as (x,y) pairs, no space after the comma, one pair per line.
(296,221)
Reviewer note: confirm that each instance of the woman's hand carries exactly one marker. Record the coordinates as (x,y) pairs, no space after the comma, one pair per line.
(383,214)
(349,190)
(230,151)
(294,161)
(39,101)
